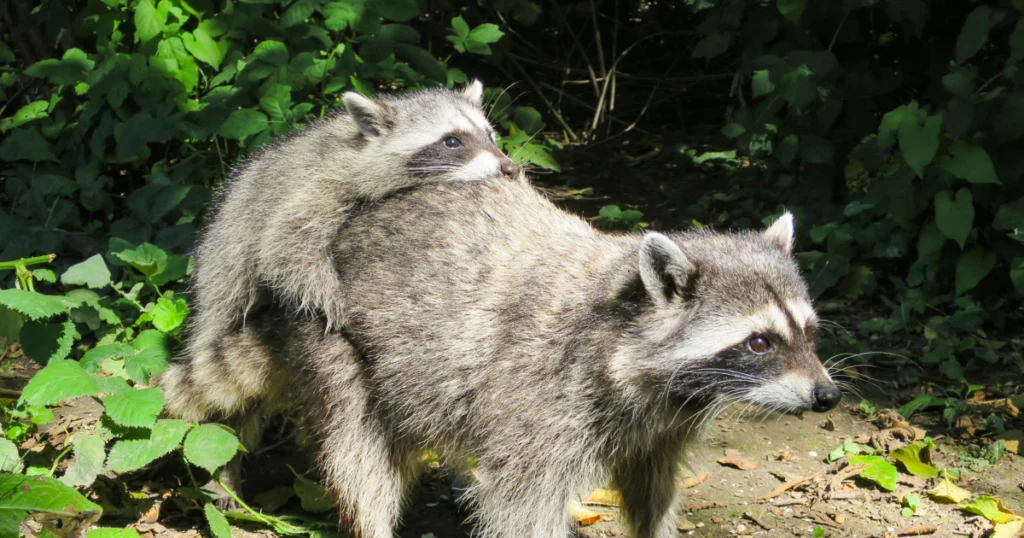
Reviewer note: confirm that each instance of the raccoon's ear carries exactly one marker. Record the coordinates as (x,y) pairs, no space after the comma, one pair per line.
(370,116)
(663,267)
(781,232)
(474,91)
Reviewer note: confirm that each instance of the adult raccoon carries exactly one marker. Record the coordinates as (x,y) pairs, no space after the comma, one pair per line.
(483,321)
(270,235)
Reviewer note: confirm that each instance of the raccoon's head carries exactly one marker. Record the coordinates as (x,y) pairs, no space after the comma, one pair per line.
(727,319)
(437,134)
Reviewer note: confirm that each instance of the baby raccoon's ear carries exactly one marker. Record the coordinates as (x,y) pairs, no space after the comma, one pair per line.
(664,268)
(371,116)
(781,232)
(474,91)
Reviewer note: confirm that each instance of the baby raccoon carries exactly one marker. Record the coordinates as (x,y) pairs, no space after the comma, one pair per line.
(269,238)
(482,321)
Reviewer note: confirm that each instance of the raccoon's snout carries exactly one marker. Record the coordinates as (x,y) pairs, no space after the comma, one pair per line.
(826,398)
(509,168)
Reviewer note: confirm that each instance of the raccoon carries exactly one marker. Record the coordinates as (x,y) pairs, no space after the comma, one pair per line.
(483,321)
(270,235)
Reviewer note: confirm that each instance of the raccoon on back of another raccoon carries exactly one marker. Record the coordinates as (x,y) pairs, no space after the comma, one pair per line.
(269,237)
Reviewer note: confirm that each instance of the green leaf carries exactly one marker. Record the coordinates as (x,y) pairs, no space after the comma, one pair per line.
(10,461)
(112,533)
(974,33)
(73,67)
(970,162)
(422,61)
(538,155)
(916,458)
(146,258)
(792,10)
(22,495)
(33,111)
(298,12)
(149,362)
(972,267)
(273,52)
(92,272)
(149,21)
(243,123)
(761,83)
(1009,216)
(486,33)
(919,143)
(88,461)
(313,496)
(210,446)
(44,342)
(990,508)
(921,402)
(94,357)
(460,27)
(341,15)
(144,446)
(59,380)
(733,130)
(219,526)
(45,275)
(26,144)
(713,44)
(34,305)
(203,47)
(955,216)
(398,10)
(816,150)
(135,408)
(959,83)
(953,370)
(169,315)
(878,471)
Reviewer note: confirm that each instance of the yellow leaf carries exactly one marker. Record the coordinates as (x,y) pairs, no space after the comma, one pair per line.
(1012,440)
(604,497)
(583,516)
(1008,529)
(949,492)
(991,509)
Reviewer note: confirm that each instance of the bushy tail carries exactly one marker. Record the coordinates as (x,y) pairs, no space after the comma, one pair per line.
(218,376)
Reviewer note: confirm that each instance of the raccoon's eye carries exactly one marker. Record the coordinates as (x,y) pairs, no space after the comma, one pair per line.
(809,334)
(759,344)
(452,142)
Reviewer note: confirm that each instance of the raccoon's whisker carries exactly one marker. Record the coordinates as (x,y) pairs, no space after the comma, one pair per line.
(848,387)
(851,381)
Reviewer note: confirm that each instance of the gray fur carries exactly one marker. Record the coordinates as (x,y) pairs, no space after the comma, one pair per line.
(268,240)
(483,321)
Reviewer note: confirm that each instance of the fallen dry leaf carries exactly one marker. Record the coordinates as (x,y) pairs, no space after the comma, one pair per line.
(685,525)
(693,481)
(949,492)
(786,486)
(583,516)
(734,459)
(604,497)
(918,530)
(1012,439)
(1008,529)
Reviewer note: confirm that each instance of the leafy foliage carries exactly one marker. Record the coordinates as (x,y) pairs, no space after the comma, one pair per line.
(925,192)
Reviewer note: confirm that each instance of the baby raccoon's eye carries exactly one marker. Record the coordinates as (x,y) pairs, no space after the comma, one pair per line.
(759,344)
(809,334)
(452,142)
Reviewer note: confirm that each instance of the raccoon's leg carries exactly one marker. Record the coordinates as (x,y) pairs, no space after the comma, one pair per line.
(368,466)
(523,499)
(649,494)
(296,260)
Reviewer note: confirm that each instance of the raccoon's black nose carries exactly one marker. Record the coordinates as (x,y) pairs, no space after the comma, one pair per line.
(509,168)
(826,398)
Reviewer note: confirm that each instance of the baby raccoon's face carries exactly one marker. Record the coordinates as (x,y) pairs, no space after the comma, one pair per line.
(731,322)
(439,135)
